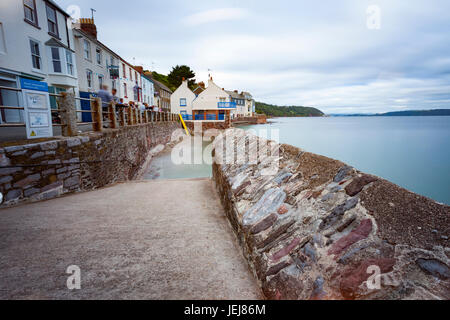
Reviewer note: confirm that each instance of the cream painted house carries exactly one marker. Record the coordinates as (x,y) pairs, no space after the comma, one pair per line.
(181,99)
(213,103)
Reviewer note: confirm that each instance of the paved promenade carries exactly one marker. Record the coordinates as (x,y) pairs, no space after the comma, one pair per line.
(139,240)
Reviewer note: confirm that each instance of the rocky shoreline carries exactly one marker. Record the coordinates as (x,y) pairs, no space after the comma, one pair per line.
(320,229)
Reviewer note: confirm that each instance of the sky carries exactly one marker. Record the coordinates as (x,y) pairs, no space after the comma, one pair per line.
(346,56)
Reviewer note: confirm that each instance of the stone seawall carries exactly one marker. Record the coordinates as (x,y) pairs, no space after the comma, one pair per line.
(258,119)
(320,229)
(45,170)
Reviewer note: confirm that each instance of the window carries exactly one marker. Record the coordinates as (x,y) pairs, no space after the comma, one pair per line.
(56,60)
(69,61)
(114,84)
(52,22)
(136,77)
(131,75)
(182,102)
(35,54)
(100,81)
(113,61)
(87,50)
(89,78)
(125,90)
(98,53)
(29,7)
(124,71)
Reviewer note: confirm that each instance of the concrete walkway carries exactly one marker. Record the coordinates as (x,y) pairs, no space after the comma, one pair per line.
(139,240)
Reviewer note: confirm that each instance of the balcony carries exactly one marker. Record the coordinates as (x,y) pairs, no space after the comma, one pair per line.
(226,105)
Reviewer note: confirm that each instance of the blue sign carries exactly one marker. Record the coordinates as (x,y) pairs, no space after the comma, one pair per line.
(35,85)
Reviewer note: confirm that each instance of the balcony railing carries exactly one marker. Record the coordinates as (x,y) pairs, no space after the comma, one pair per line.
(226,105)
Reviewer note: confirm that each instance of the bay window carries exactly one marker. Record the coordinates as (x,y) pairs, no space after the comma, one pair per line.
(56,60)
(69,61)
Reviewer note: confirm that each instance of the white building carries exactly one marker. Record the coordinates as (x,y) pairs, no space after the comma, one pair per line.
(212,104)
(96,63)
(244,103)
(130,83)
(181,99)
(148,91)
(35,44)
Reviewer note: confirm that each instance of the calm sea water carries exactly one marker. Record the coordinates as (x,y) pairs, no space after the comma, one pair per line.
(413,152)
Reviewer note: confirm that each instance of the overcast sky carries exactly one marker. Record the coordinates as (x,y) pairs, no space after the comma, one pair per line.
(334,55)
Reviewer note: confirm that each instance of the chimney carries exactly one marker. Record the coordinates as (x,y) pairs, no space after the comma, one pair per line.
(139,69)
(87,25)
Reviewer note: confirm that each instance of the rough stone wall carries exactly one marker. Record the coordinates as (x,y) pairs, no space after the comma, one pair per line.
(257,119)
(206,125)
(49,169)
(319,229)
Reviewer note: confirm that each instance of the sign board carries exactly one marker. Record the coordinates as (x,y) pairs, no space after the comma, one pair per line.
(38,116)
(29,84)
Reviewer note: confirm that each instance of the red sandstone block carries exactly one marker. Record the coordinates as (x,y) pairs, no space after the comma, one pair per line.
(361,232)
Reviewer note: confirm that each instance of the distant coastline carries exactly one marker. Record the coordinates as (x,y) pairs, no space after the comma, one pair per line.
(273,111)
(406,113)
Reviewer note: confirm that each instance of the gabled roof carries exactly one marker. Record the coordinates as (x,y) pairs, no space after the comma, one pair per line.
(235,95)
(57,7)
(198,90)
(161,85)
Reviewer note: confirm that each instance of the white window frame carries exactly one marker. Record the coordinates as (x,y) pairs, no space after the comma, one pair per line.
(87,49)
(91,84)
(101,80)
(37,55)
(69,64)
(54,60)
(98,56)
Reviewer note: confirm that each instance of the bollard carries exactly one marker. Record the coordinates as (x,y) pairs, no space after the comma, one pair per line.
(130,116)
(68,114)
(123,122)
(112,115)
(97,115)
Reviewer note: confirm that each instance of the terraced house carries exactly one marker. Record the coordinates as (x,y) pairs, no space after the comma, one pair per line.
(213,103)
(97,64)
(244,103)
(162,96)
(36,49)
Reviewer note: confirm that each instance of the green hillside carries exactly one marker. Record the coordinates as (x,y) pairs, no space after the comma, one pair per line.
(289,111)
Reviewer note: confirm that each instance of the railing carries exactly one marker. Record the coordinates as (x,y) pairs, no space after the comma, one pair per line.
(203,116)
(226,105)
(186,116)
(110,116)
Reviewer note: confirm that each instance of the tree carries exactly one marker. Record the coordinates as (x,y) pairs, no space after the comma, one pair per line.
(178,73)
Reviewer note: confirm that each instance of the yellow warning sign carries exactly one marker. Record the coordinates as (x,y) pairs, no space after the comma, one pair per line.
(33,134)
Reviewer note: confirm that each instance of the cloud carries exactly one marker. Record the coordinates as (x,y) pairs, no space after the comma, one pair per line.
(317,54)
(215,15)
